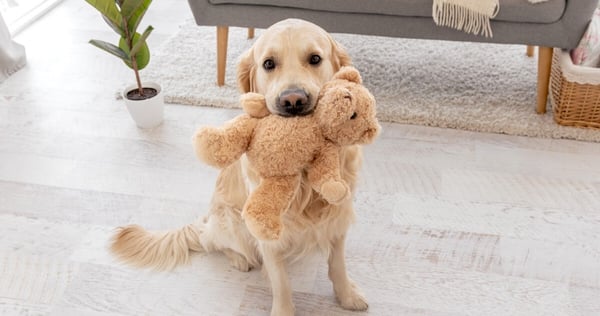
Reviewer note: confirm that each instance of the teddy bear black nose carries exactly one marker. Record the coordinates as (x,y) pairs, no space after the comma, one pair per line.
(293,101)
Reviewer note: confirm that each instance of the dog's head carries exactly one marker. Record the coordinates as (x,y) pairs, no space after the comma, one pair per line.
(288,64)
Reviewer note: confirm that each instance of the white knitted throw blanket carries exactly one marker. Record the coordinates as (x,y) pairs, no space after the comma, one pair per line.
(470,16)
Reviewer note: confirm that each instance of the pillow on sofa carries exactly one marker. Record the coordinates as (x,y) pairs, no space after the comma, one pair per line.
(587,53)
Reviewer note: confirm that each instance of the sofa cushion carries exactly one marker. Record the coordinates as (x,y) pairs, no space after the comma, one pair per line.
(510,10)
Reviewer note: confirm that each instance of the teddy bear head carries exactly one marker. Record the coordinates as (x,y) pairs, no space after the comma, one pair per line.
(346,109)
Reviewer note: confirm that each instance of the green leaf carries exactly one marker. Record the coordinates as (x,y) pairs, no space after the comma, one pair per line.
(108,8)
(133,11)
(141,41)
(142,57)
(115,27)
(111,49)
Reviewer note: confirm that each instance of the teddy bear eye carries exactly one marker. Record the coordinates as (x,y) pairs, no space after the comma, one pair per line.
(353,116)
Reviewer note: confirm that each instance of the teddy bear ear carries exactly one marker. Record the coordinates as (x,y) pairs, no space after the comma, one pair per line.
(348,73)
(254,104)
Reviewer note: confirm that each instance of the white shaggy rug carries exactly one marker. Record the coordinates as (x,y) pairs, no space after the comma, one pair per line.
(470,86)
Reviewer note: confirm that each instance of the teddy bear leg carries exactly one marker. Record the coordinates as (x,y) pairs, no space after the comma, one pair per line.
(324,176)
(263,209)
(335,192)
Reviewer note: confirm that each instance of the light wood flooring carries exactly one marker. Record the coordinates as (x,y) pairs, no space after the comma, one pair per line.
(449,222)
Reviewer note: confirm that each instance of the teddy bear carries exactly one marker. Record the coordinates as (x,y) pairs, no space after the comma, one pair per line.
(281,148)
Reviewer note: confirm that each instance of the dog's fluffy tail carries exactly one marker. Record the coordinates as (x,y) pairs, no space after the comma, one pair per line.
(161,251)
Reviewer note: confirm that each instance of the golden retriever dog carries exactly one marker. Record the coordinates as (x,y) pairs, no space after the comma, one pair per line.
(288,63)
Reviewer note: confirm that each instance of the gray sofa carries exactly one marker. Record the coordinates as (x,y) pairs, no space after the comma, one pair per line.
(555,23)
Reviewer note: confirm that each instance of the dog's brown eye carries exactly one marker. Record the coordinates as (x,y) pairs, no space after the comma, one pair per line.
(269,64)
(353,116)
(315,59)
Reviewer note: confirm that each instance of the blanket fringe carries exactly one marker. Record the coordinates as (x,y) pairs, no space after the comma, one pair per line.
(463,18)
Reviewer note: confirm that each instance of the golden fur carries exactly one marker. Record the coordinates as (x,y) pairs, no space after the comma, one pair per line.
(311,223)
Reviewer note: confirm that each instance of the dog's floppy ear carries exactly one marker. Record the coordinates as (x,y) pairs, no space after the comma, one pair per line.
(339,55)
(348,73)
(245,72)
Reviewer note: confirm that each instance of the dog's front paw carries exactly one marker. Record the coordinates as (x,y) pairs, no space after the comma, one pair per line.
(335,192)
(351,298)
(283,311)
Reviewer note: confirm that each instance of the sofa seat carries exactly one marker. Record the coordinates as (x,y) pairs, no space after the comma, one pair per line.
(511,10)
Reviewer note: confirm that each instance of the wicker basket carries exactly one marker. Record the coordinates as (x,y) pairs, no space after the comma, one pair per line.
(575,92)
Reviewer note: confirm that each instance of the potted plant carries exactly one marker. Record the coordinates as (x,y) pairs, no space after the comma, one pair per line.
(144,101)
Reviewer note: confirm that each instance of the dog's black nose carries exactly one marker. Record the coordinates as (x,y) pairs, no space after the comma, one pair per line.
(293,101)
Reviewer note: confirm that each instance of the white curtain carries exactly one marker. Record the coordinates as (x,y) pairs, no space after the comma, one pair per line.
(12,54)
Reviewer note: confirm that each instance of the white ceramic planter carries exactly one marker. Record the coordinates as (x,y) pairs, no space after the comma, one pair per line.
(147,113)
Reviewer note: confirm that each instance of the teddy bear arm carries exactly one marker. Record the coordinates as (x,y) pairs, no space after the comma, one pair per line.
(254,104)
(221,146)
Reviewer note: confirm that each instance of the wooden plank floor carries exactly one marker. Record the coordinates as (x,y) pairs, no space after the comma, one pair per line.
(449,222)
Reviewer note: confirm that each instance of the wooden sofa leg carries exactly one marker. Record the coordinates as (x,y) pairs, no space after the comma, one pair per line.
(544,64)
(222,33)
(530,50)
(250,33)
